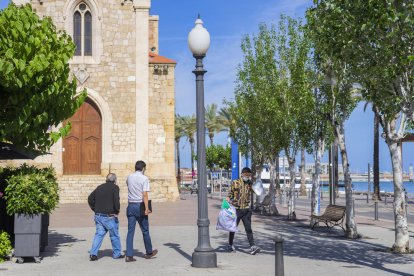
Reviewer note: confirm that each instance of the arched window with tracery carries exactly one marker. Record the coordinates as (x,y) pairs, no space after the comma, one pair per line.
(82,30)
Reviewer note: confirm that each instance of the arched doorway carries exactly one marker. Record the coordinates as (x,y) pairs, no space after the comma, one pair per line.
(82,148)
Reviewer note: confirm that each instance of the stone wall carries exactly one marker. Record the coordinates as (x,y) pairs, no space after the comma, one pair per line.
(161,128)
(153,34)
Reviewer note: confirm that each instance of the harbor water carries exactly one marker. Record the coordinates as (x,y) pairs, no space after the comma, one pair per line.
(384,187)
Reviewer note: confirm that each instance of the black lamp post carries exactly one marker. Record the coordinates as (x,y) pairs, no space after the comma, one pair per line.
(203,255)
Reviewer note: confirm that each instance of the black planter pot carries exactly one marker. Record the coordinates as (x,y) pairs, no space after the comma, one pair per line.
(44,234)
(27,230)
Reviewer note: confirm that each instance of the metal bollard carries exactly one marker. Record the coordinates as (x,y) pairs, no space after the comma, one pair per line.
(367,197)
(385,200)
(309,194)
(376,210)
(279,266)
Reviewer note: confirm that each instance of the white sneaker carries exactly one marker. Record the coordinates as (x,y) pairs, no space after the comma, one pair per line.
(231,248)
(254,250)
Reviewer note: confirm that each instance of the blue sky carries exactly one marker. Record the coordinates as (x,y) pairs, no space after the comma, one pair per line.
(227,21)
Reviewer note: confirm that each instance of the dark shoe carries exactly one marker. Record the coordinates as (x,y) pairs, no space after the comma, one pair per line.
(130,259)
(149,256)
(230,248)
(93,258)
(254,250)
(120,257)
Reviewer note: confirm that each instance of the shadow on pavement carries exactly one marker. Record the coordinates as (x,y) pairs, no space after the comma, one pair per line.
(322,244)
(56,242)
(107,253)
(177,247)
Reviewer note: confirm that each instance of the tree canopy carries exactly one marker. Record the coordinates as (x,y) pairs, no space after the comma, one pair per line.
(35,88)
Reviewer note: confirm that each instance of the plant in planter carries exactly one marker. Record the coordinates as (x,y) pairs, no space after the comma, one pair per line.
(5,246)
(6,221)
(31,195)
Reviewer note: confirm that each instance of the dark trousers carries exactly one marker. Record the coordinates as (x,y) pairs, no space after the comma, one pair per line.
(246,216)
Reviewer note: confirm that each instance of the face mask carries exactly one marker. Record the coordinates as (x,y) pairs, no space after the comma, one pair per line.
(246,179)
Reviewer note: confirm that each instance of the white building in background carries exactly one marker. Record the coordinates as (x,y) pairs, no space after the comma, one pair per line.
(310,168)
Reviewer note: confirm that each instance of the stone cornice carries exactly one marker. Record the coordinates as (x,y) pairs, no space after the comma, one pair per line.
(141,4)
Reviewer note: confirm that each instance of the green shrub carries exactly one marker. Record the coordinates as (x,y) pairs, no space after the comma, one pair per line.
(31,190)
(5,246)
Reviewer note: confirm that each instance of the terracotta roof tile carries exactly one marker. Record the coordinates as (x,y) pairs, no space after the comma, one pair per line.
(154,58)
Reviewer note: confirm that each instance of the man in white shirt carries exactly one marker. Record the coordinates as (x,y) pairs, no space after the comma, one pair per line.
(138,188)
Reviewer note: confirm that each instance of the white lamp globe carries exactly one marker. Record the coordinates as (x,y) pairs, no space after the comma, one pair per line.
(199,39)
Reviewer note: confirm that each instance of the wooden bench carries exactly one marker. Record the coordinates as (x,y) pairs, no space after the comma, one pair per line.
(333,216)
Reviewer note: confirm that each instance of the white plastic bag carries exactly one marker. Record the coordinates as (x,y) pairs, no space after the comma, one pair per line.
(227,220)
(258,188)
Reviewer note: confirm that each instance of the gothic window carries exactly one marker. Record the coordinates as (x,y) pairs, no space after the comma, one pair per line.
(82,30)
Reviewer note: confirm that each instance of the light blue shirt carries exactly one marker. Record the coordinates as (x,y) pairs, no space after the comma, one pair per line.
(137,184)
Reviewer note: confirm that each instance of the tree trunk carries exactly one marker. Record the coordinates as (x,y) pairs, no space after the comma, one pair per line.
(315,201)
(211,139)
(402,237)
(335,170)
(302,173)
(376,195)
(272,188)
(291,204)
(351,227)
(192,159)
(258,167)
(177,146)
(277,175)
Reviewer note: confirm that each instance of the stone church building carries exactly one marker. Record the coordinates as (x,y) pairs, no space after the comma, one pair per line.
(129,112)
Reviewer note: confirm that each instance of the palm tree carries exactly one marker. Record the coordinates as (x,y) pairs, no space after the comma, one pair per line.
(227,121)
(189,129)
(376,195)
(213,123)
(179,133)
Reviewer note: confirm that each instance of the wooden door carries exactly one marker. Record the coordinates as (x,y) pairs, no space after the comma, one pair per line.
(83,146)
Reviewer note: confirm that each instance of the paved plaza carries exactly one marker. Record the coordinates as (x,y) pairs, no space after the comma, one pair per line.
(174,233)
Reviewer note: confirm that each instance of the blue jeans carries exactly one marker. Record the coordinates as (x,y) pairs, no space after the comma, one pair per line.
(134,216)
(103,225)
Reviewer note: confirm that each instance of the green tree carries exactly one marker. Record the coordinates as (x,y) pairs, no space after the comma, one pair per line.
(212,156)
(188,124)
(295,94)
(373,40)
(224,158)
(338,92)
(257,102)
(178,134)
(227,121)
(213,123)
(35,89)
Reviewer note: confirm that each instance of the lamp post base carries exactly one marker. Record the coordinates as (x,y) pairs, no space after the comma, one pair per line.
(204,259)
